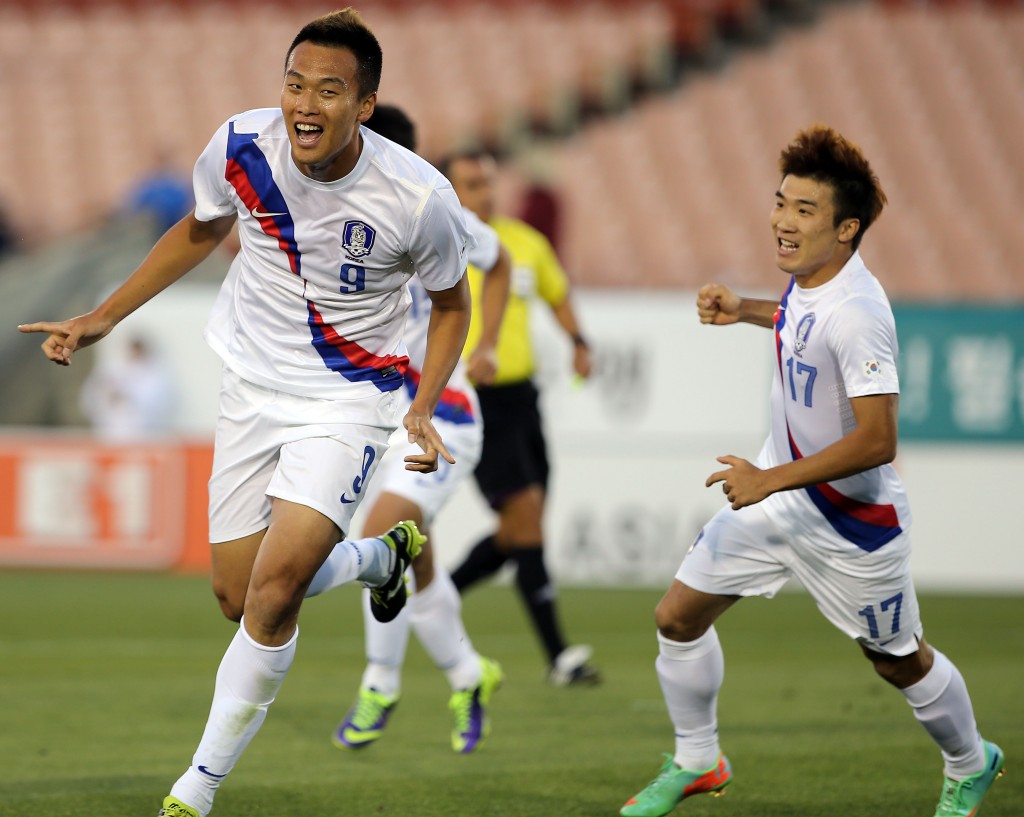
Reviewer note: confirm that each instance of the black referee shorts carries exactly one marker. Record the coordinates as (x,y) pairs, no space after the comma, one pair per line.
(514,454)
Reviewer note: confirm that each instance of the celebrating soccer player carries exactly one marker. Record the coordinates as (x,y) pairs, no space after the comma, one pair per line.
(822,501)
(333,220)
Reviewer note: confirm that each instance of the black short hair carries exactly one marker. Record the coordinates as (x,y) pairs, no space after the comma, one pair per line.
(476,154)
(823,154)
(345,29)
(392,123)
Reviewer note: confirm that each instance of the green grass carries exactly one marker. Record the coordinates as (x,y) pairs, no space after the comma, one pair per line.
(105,682)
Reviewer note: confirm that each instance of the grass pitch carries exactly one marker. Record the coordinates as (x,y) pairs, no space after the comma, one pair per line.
(105,683)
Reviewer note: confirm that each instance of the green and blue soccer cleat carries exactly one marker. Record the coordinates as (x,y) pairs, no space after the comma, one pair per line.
(173,807)
(469,706)
(388,599)
(673,785)
(962,798)
(365,721)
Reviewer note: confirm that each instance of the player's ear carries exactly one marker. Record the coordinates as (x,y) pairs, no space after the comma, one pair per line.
(366,109)
(848,229)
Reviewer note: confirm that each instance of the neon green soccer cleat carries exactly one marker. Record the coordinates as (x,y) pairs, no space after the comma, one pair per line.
(673,785)
(388,599)
(469,706)
(173,807)
(962,798)
(365,721)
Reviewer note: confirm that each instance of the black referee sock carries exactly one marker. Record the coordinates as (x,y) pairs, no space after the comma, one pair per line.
(539,597)
(482,561)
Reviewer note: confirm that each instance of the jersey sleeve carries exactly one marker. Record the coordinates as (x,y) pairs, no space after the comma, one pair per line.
(209,179)
(440,243)
(552,282)
(863,338)
(485,254)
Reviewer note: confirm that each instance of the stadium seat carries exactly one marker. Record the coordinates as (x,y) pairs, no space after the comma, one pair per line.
(676,186)
(896,83)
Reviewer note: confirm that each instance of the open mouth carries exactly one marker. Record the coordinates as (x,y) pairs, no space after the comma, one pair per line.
(308,134)
(787,247)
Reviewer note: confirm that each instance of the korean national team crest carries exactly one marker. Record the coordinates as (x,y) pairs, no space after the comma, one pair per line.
(803,334)
(357,238)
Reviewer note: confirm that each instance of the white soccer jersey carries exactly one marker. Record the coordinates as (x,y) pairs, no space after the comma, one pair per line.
(834,342)
(316,306)
(458,402)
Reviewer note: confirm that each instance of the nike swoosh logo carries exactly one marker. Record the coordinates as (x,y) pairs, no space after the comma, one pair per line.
(345,500)
(206,771)
(358,736)
(257,214)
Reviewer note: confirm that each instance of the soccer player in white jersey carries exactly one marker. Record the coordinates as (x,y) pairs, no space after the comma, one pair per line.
(333,221)
(821,501)
(434,609)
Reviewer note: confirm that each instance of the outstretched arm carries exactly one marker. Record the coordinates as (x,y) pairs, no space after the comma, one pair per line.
(870,444)
(446,336)
(483,362)
(183,247)
(720,306)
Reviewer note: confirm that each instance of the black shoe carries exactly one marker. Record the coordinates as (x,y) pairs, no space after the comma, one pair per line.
(388,599)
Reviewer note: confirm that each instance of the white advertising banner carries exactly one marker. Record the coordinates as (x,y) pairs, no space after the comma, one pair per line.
(631,448)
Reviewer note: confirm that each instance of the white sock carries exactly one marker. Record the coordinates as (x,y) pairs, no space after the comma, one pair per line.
(436,616)
(691,674)
(943,706)
(248,679)
(368,560)
(385,650)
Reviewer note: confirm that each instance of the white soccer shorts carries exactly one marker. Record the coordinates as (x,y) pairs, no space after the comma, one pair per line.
(318,453)
(430,491)
(868,596)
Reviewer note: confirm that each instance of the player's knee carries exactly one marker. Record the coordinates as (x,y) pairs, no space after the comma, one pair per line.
(422,571)
(521,517)
(887,669)
(901,671)
(232,603)
(231,611)
(273,602)
(893,672)
(674,626)
(520,528)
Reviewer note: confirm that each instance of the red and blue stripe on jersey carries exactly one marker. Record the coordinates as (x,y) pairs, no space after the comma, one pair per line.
(351,360)
(454,406)
(250,175)
(865,524)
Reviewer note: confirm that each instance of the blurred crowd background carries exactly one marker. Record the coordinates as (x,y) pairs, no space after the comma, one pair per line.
(640,135)
(652,118)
